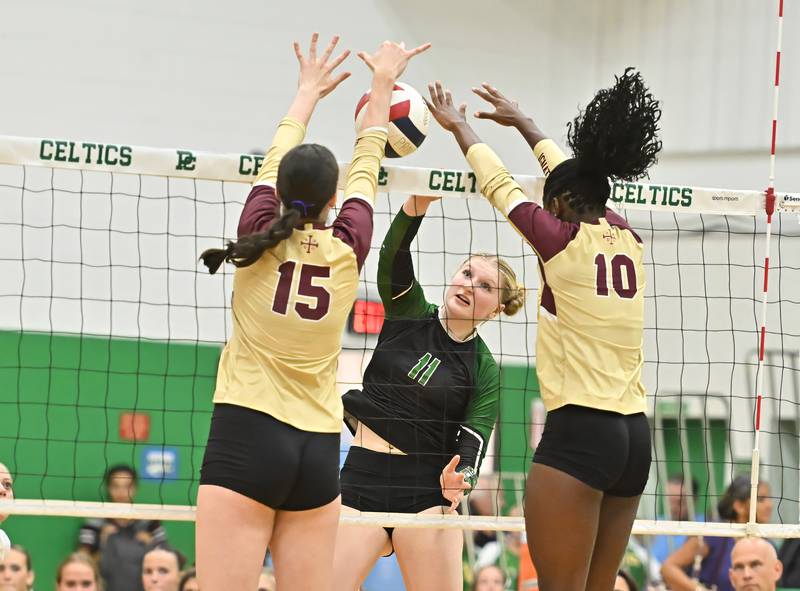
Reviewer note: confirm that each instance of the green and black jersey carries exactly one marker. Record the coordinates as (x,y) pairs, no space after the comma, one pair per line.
(423,391)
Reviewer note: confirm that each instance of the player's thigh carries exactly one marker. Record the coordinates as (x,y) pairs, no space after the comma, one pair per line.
(613,532)
(302,547)
(620,504)
(358,547)
(232,534)
(561,517)
(430,558)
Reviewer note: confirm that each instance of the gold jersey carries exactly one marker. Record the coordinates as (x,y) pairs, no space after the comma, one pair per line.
(591,297)
(290,307)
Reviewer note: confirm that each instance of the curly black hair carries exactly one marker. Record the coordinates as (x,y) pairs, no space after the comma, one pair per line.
(615,136)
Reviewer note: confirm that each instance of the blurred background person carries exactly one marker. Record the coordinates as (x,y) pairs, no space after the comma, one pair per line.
(677,493)
(6,494)
(489,578)
(78,572)
(161,569)
(713,554)
(16,570)
(754,565)
(119,545)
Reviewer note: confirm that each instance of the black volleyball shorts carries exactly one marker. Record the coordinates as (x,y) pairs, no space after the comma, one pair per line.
(269,461)
(606,450)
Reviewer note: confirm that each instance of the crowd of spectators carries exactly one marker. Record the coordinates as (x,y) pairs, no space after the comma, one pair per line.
(125,554)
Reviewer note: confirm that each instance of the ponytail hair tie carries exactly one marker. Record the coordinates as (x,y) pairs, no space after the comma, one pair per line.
(297,204)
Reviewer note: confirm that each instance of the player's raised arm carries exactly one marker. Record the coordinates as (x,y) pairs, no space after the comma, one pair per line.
(317,80)
(354,222)
(507,112)
(263,207)
(400,292)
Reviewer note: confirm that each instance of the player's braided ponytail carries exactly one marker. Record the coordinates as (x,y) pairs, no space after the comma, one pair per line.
(307,177)
(248,249)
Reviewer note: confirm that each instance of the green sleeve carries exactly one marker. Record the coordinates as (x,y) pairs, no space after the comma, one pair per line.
(481,416)
(400,292)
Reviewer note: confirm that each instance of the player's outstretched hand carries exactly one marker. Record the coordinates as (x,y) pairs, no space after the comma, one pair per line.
(506,112)
(442,108)
(453,483)
(317,73)
(391,58)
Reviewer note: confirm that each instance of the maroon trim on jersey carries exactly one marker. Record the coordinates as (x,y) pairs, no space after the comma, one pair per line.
(546,233)
(260,210)
(353,226)
(614,219)
(548,301)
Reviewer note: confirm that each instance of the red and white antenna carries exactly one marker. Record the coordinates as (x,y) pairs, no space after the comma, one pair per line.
(769,206)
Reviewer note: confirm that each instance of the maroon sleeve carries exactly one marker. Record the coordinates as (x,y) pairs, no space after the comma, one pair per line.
(353,226)
(614,219)
(260,210)
(546,233)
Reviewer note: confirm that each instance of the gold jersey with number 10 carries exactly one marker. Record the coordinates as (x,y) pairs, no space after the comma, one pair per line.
(591,296)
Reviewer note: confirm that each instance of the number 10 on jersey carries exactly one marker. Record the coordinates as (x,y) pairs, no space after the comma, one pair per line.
(623,275)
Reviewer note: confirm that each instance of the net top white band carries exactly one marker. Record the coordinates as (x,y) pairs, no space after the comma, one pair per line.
(243,168)
(472,522)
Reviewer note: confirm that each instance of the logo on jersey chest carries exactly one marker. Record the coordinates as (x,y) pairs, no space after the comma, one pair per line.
(309,243)
(425,367)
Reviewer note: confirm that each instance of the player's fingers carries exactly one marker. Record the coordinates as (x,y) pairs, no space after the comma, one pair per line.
(492,90)
(330,48)
(483,115)
(434,102)
(339,79)
(298,52)
(367,59)
(485,95)
(462,108)
(451,465)
(419,49)
(439,93)
(335,63)
(312,50)
(448,97)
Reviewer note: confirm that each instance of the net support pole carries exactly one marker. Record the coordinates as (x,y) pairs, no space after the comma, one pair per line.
(769,206)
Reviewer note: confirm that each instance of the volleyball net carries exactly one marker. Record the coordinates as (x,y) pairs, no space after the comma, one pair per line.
(110,330)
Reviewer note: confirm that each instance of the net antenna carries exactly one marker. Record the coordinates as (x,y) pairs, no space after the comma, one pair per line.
(770,210)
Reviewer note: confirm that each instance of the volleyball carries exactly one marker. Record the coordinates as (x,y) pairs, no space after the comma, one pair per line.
(409,118)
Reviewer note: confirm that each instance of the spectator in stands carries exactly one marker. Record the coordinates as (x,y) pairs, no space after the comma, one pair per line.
(161,569)
(6,493)
(266,581)
(677,493)
(78,573)
(789,555)
(714,553)
(489,578)
(16,571)
(118,545)
(625,582)
(189,581)
(754,565)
